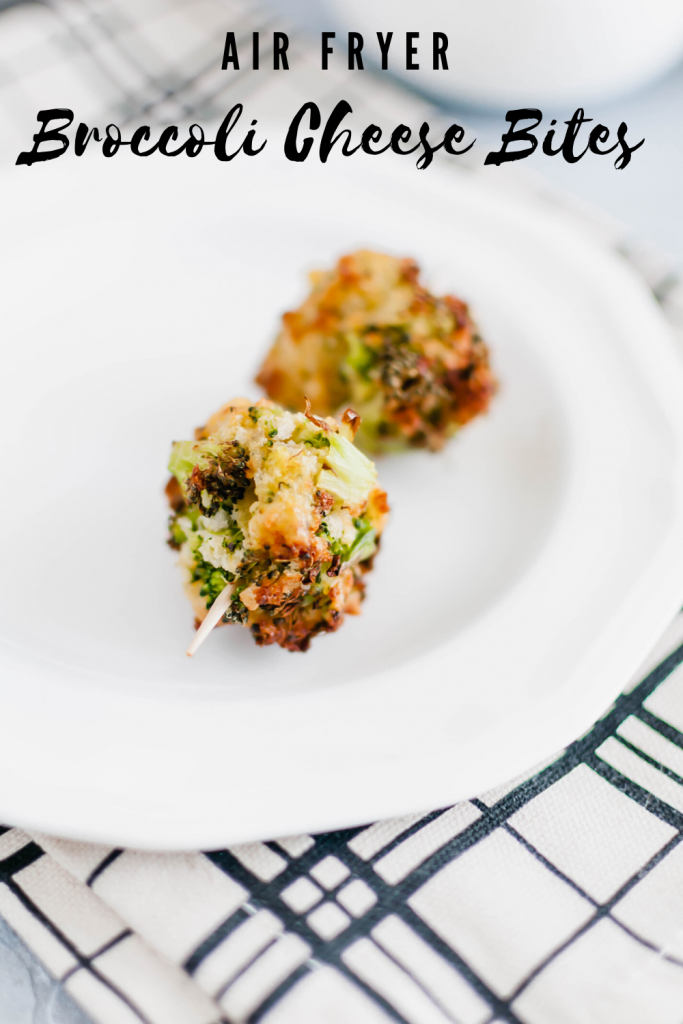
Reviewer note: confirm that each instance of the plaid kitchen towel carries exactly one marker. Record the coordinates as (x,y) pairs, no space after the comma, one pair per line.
(556,898)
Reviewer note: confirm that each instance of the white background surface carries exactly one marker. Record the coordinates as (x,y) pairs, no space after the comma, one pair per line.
(646,195)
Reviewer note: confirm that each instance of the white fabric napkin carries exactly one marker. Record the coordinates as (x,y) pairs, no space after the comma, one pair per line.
(558,897)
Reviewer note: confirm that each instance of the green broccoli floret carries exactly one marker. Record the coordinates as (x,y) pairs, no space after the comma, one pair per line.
(351,476)
(360,357)
(362,547)
(176,535)
(212,475)
(213,580)
(233,538)
(365,544)
(318,440)
(183,458)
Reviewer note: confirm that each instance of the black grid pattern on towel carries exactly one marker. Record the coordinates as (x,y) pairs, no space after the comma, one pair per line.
(394,899)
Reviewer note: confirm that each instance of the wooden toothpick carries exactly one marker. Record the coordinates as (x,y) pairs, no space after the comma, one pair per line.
(213,617)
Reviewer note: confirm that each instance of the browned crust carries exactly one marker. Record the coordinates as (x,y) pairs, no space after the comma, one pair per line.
(174,494)
(293,626)
(446,382)
(352,420)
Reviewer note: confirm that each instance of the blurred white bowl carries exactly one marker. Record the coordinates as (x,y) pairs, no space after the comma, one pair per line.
(524,52)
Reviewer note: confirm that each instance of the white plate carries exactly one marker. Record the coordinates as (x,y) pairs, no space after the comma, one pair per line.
(525,572)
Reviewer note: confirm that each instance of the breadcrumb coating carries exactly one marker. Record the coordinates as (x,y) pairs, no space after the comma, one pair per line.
(284,508)
(370,335)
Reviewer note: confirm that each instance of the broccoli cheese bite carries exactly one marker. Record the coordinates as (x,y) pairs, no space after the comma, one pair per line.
(370,335)
(283,511)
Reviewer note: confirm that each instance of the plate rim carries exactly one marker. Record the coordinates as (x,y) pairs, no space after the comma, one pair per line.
(664,601)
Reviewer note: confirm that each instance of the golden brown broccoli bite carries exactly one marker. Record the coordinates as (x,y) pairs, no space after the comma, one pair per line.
(369,335)
(282,509)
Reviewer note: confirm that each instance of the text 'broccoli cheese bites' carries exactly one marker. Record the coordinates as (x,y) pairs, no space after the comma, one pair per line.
(284,511)
(370,336)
